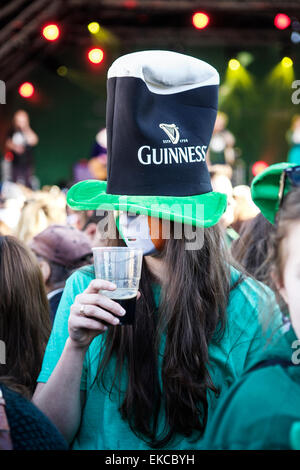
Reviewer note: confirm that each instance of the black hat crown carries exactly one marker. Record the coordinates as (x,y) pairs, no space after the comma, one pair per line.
(161,111)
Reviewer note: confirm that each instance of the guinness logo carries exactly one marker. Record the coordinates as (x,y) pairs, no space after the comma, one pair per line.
(172,132)
(168,155)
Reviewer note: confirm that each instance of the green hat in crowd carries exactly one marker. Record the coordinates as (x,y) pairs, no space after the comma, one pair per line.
(265,189)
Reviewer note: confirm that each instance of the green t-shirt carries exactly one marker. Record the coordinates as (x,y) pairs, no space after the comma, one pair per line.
(259,411)
(102,426)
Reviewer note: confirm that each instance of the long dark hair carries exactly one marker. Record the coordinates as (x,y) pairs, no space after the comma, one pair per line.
(250,250)
(192,311)
(288,214)
(24,316)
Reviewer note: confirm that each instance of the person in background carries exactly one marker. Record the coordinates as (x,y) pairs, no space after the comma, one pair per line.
(244,208)
(250,250)
(13,196)
(261,411)
(293,138)
(79,219)
(60,250)
(97,164)
(93,227)
(24,316)
(221,148)
(81,170)
(99,147)
(221,183)
(88,221)
(42,209)
(20,142)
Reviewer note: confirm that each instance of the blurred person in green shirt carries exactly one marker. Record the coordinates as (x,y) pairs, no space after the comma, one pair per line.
(261,411)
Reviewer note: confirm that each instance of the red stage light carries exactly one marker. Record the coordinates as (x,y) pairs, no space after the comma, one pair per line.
(282,21)
(258,167)
(95,55)
(51,32)
(200,20)
(130,4)
(26,90)
(8,156)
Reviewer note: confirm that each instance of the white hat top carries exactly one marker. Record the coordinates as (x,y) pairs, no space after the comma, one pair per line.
(165,72)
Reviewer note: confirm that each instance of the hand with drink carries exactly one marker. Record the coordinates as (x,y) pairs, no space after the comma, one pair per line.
(109,300)
(92,312)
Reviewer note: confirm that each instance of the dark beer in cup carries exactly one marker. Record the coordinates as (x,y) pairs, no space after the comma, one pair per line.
(129,305)
(122,266)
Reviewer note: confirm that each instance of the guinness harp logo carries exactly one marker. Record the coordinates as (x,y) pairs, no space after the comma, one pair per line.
(172,132)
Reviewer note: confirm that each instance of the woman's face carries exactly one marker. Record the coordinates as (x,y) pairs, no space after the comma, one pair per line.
(141,232)
(290,288)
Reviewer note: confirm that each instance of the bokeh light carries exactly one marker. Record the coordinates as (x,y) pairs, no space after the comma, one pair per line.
(287,62)
(258,167)
(62,70)
(94,27)
(51,32)
(234,64)
(282,21)
(200,20)
(26,90)
(95,55)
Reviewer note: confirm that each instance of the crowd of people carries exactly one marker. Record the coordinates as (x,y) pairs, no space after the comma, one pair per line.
(211,360)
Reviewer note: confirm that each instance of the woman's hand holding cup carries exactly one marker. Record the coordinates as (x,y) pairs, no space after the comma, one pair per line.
(92,313)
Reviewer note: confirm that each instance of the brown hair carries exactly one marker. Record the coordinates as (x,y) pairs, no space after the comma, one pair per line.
(251,248)
(192,311)
(24,315)
(288,214)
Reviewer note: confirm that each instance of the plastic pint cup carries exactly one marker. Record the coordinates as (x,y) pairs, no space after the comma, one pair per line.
(122,266)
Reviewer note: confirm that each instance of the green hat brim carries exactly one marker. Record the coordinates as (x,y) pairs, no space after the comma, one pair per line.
(203,210)
(265,189)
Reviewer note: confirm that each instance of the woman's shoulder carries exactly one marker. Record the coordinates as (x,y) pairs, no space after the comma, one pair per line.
(80,279)
(248,288)
(252,301)
(76,283)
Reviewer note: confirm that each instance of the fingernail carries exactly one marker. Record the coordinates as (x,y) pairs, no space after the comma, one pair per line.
(122,311)
(116,321)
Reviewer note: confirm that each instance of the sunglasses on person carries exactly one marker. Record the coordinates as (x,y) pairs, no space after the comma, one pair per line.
(292,175)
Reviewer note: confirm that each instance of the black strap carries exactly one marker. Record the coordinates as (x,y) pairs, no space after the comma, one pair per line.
(272,362)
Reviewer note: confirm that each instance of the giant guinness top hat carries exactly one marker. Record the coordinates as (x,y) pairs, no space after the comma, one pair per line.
(161,111)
